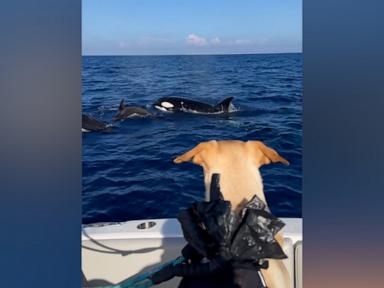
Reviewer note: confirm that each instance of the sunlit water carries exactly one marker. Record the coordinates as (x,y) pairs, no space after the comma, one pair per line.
(129,174)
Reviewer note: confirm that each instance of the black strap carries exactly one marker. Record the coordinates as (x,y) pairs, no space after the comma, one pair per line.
(215,193)
(191,254)
(200,269)
(188,270)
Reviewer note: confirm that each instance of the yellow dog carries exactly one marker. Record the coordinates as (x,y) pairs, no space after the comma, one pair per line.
(238,164)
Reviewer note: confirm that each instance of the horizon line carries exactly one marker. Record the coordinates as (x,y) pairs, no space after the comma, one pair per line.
(196,54)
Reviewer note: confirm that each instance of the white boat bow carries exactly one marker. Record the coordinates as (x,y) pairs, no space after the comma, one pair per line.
(112,252)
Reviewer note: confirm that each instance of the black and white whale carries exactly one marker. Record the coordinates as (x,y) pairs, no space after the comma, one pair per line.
(89,124)
(176,104)
(129,112)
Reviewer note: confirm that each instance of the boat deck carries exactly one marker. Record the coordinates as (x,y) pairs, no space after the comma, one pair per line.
(112,252)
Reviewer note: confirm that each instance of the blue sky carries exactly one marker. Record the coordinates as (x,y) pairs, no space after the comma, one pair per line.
(164,27)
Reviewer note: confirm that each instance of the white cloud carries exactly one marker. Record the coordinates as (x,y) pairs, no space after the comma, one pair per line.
(195,40)
(215,40)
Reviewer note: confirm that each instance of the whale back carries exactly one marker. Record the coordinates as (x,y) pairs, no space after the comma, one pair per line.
(224,105)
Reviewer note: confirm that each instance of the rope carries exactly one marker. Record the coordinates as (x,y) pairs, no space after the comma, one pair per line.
(143,280)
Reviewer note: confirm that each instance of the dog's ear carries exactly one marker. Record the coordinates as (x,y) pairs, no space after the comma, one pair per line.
(194,154)
(268,154)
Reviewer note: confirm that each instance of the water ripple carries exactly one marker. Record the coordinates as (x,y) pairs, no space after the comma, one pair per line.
(129,174)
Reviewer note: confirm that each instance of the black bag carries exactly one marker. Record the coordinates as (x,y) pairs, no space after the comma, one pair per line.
(235,246)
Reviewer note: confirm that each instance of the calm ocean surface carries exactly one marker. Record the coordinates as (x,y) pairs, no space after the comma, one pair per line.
(129,174)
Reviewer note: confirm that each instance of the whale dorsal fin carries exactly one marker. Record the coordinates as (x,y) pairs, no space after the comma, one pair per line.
(225,103)
(121,106)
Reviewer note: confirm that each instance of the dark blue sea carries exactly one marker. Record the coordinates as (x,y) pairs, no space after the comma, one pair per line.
(128,173)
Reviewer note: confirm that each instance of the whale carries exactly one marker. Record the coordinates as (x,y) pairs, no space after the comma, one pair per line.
(129,112)
(177,104)
(91,124)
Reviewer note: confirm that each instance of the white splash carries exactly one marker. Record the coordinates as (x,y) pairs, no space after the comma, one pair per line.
(232,108)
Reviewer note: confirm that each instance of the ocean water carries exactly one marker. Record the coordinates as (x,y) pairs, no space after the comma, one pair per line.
(128,173)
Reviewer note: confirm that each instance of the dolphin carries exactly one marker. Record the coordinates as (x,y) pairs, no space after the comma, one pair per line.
(176,104)
(130,111)
(89,124)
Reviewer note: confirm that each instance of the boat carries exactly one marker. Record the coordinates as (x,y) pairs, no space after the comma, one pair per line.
(113,252)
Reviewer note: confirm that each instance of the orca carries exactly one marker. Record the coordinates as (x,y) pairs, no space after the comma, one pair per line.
(177,104)
(129,112)
(90,124)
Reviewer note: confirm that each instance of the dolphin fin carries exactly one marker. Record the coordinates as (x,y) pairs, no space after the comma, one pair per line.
(121,106)
(224,104)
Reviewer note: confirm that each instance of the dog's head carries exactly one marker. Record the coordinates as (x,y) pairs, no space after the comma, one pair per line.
(207,154)
(238,164)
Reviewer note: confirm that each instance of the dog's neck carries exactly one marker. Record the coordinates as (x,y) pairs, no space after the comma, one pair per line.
(239,187)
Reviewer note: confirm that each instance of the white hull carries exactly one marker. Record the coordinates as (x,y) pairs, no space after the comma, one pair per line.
(112,252)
